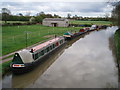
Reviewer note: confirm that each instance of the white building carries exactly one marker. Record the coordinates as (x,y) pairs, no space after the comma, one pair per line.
(55,22)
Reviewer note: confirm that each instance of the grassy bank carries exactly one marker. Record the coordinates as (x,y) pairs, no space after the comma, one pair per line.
(5,67)
(117,44)
(15,37)
(93,22)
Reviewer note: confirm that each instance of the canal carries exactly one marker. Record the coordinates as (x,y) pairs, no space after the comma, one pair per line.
(87,61)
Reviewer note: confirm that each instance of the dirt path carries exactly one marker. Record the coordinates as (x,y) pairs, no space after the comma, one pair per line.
(6,60)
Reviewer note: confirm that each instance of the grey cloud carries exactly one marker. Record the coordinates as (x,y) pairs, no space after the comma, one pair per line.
(78,7)
(57,7)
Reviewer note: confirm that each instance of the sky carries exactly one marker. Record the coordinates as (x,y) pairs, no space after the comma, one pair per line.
(85,8)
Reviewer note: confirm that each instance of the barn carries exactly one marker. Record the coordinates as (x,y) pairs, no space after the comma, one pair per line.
(55,22)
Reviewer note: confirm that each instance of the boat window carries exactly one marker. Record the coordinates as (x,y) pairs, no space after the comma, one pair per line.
(42,52)
(61,41)
(50,47)
(53,45)
(57,44)
(36,56)
(47,49)
(33,56)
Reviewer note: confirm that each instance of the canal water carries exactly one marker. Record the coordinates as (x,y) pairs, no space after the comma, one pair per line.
(85,62)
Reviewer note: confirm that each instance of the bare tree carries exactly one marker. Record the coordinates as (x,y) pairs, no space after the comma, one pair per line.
(20,14)
(68,15)
(116,13)
(5,14)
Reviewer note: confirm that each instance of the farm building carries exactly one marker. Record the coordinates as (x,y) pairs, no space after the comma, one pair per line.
(55,22)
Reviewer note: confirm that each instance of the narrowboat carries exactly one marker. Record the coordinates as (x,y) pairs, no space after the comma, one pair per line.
(69,35)
(93,27)
(86,29)
(104,26)
(26,59)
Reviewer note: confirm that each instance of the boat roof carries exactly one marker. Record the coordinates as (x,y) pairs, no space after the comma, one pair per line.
(45,44)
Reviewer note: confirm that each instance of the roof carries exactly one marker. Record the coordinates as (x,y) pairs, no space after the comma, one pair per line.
(26,56)
(55,19)
(45,44)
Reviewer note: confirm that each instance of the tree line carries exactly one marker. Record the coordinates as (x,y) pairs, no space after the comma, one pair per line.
(76,17)
(7,16)
(116,14)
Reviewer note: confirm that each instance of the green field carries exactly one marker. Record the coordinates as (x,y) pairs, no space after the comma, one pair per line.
(14,37)
(93,22)
(2,22)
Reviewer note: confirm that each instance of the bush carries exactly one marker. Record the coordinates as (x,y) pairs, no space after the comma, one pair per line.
(117,44)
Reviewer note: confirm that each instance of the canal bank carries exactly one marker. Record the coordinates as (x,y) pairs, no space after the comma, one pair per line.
(85,62)
(117,44)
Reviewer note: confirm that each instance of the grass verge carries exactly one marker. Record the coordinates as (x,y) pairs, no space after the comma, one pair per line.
(5,67)
(117,45)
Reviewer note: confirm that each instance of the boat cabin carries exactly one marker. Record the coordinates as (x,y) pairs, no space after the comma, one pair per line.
(81,30)
(46,47)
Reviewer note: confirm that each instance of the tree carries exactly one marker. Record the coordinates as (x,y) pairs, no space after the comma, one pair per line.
(116,14)
(42,12)
(48,16)
(38,19)
(32,20)
(56,16)
(107,16)
(40,16)
(5,10)
(20,14)
(75,17)
(5,14)
(68,15)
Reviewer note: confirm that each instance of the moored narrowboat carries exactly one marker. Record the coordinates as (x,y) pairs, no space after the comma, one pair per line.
(69,35)
(93,27)
(25,60)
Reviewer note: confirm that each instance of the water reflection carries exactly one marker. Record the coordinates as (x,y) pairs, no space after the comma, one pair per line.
(112,48)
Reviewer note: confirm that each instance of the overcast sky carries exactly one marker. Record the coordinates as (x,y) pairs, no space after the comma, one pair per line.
(84,8)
